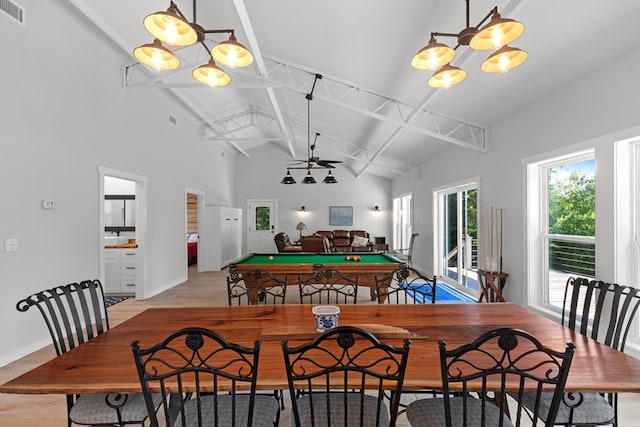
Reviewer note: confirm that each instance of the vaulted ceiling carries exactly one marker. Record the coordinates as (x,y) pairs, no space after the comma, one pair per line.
(371,109)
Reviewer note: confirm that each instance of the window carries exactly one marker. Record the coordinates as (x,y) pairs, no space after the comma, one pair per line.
(560,225)
(402,221)
(456,229)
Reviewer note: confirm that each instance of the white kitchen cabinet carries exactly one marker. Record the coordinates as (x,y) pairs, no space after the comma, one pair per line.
(223,237)
(120,271)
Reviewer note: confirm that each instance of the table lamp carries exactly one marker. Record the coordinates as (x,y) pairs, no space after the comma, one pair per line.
(301,227)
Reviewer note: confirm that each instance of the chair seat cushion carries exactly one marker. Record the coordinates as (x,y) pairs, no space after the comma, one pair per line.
(594,409)
(338,412)
(93,409)
(265,410)
(430,412)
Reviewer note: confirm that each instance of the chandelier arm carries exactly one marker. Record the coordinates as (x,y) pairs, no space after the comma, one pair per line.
(489,15)
(444,35)
(219,31)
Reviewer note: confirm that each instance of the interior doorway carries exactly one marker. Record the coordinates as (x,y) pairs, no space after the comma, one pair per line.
(194,230)
(123,254)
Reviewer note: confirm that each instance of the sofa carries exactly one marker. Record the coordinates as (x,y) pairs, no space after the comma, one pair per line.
(348,240)
(315,243)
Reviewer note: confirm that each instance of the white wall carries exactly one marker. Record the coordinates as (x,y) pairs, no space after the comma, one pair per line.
(596,110)
(259,176)
(63,113)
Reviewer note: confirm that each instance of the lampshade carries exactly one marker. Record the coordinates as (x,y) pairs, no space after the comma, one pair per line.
(209,74)
(288,179)
(156,56)
(504,59)
(301,226)
(329,179)
(447,76)
(309,179)
(497,33)
(433,55)
(170,27)
(232,53)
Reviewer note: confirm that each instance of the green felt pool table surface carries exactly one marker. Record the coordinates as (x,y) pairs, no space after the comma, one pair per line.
(292,265)
(309,258)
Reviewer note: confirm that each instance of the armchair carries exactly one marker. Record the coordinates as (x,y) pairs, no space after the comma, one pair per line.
(284,244)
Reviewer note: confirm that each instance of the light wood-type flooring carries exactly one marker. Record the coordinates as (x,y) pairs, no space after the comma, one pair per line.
(202,289)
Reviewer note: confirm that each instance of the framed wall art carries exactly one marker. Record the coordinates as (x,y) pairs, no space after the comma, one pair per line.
(340,215)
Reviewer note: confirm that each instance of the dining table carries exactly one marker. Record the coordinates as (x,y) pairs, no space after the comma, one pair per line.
(105,364)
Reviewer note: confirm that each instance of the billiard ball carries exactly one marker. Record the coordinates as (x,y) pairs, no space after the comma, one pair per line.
(357,258)
(270,258)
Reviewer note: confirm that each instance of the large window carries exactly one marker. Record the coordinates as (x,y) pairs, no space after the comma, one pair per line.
(561,225)
(402,222)
(456,229)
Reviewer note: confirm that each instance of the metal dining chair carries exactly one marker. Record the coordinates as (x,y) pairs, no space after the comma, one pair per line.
(255,287)
(201,376)
(604,312)
(475,378)
(328,286)
(74,314)
(405,285)
(339,379)
(406,254)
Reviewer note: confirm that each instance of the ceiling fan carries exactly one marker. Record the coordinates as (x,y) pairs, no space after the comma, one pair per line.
(312,161)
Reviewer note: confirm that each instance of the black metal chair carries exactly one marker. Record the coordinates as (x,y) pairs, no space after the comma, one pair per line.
(406,254)
(74,314)
(339,379)
(328,286)
(405,285)
(604,312)
(199,374)
(478,373)
(255,287)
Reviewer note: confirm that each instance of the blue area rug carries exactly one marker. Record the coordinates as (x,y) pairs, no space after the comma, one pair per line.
(445,294)
(109,301)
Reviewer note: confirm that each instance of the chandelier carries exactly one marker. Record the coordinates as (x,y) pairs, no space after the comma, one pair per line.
(495,35)
(172,30)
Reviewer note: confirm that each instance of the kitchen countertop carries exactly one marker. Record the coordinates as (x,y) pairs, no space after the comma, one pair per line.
(131,244)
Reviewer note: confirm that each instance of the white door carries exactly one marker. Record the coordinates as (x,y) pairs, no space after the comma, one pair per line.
(261,225)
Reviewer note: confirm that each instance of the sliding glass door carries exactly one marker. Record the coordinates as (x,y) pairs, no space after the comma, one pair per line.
(457,235)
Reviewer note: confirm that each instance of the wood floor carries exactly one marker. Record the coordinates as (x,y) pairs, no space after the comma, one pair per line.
(202,289)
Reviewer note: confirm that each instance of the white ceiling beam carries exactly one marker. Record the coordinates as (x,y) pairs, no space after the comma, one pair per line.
(243,15)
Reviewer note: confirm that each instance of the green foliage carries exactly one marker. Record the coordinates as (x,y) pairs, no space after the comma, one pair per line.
(572,205)
(262,218)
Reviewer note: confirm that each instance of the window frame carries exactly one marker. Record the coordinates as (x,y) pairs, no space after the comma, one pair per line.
(536,230)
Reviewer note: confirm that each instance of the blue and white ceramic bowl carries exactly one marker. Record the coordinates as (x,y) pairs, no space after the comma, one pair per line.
(326,317)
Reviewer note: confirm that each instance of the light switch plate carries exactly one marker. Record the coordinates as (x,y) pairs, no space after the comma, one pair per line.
(10,245)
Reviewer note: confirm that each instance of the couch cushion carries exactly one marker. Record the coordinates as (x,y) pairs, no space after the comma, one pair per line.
(359,242)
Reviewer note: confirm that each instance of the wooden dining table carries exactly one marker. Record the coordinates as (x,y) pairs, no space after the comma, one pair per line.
(105,364)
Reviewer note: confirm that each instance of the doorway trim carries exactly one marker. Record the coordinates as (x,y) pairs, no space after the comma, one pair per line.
(249,225)
(141,226)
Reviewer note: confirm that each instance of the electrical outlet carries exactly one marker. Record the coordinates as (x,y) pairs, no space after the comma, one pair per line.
(10,245)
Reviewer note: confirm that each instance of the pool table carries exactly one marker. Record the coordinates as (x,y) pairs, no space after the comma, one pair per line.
(301,264)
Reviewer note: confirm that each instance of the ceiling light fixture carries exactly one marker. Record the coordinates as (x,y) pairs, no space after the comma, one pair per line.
(329,179)
(496,35)
(288,179)
(312,161)
(309,179)
(172,30)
